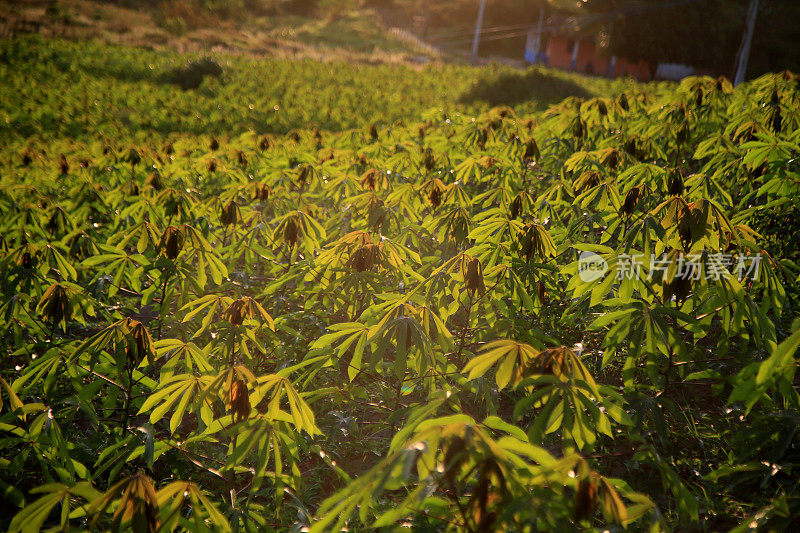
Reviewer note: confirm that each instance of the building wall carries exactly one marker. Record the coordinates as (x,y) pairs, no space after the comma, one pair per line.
(589,61)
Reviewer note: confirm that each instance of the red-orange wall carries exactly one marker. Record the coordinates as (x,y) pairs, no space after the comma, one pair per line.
(559,55)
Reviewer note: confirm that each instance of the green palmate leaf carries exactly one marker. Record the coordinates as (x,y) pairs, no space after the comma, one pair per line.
(756,379)
(182,392)
(346,335)
(612,503)
(766,150)
(11,494)
(32,517)
(14,402)
(499,424)
(175,350)
(512,356)
(273,388)
(173,497)
(779,360)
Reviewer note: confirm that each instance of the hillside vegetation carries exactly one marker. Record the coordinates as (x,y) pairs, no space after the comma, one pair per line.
(259,29)
(62,88)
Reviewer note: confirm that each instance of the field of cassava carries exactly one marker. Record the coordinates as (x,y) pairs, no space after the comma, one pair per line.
(260,294)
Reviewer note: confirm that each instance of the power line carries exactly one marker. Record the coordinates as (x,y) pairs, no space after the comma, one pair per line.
(448,33)
(592,18)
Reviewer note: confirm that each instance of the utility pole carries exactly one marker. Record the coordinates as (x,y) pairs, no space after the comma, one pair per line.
(744,52)
(574,54)
(533,42)
(539,35)
(478,24)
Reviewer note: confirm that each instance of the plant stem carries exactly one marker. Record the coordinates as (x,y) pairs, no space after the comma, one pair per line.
(163,306)
(128,397)
(464,330)
(52,332)
(670,362)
